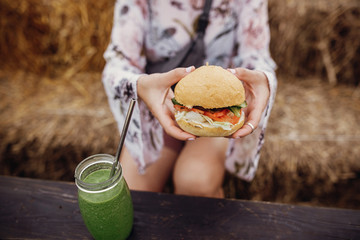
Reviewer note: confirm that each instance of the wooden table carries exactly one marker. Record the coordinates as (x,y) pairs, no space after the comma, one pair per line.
(38,209)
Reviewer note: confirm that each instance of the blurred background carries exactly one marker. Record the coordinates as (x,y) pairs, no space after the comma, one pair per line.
(54,110)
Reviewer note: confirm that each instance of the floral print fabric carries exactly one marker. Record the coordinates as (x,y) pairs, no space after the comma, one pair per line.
(237,36)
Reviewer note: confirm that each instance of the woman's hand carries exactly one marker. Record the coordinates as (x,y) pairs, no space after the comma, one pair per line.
(155,91)
(257,94)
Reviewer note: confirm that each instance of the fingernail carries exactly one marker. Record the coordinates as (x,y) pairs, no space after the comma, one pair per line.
(188,69)
(232,71)
(191,139)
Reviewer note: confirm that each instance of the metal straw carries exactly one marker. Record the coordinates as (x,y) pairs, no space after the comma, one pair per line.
(122,137)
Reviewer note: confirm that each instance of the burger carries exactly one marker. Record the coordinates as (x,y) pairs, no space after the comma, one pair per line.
(209,102)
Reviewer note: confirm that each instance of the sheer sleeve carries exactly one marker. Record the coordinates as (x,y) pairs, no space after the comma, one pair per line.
(125,63)
(253,39)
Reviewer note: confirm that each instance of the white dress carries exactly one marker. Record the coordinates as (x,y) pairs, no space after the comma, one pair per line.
(237,36)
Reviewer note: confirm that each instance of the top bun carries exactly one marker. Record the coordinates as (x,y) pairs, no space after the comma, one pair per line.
(210,87)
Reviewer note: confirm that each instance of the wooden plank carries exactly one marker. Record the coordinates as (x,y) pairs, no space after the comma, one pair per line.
(35,209)
(202,218)
(39,209)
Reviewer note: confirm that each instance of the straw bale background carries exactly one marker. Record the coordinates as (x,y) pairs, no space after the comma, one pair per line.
(64,37)
(317,37)
(54,109)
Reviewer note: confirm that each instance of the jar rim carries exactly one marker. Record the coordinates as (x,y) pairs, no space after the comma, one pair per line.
(91,162)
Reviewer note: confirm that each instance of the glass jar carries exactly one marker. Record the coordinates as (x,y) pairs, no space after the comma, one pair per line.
(105,203)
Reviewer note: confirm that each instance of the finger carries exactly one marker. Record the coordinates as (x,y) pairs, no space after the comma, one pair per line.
(241,73)
(253,119)
(170,94)
(176,75)
(179,134)
(242,132)
(168,103)
(247,75)
(167,121)
(174,131)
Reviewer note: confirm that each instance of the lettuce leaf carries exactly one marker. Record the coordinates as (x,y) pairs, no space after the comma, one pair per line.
(223,125)
(176,102)
(235,109)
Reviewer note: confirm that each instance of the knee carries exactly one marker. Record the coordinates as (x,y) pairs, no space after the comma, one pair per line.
(141,185)
(197,182)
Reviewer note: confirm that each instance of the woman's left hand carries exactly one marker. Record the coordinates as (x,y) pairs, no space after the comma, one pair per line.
(155,92)
(257,94)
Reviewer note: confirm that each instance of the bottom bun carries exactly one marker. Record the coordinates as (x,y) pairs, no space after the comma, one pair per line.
(205,131)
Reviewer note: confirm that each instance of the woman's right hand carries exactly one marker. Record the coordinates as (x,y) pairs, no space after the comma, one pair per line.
(155,91)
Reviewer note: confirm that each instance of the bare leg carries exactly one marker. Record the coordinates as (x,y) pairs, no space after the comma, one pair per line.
(156,174)
(199,169)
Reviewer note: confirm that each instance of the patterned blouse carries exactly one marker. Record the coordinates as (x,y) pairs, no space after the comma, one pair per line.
(237,36)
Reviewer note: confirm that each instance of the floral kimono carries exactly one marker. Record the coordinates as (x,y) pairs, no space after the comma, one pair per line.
(237,36)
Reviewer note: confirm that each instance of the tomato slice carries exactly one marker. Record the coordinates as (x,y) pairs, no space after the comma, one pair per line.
(217,114)
(220,115)
(223,115)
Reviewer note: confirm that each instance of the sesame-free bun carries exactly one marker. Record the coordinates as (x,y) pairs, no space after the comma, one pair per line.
(205,130)
(210,87)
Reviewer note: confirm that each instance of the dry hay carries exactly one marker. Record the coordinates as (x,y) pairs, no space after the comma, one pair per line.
(54,37)
(48,126)
(310,155)
(63,37)
(317,37)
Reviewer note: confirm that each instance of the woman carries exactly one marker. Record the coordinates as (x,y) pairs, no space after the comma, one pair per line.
(237,37)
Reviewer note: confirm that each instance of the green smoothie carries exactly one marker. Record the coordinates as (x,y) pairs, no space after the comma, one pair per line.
(108,214)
